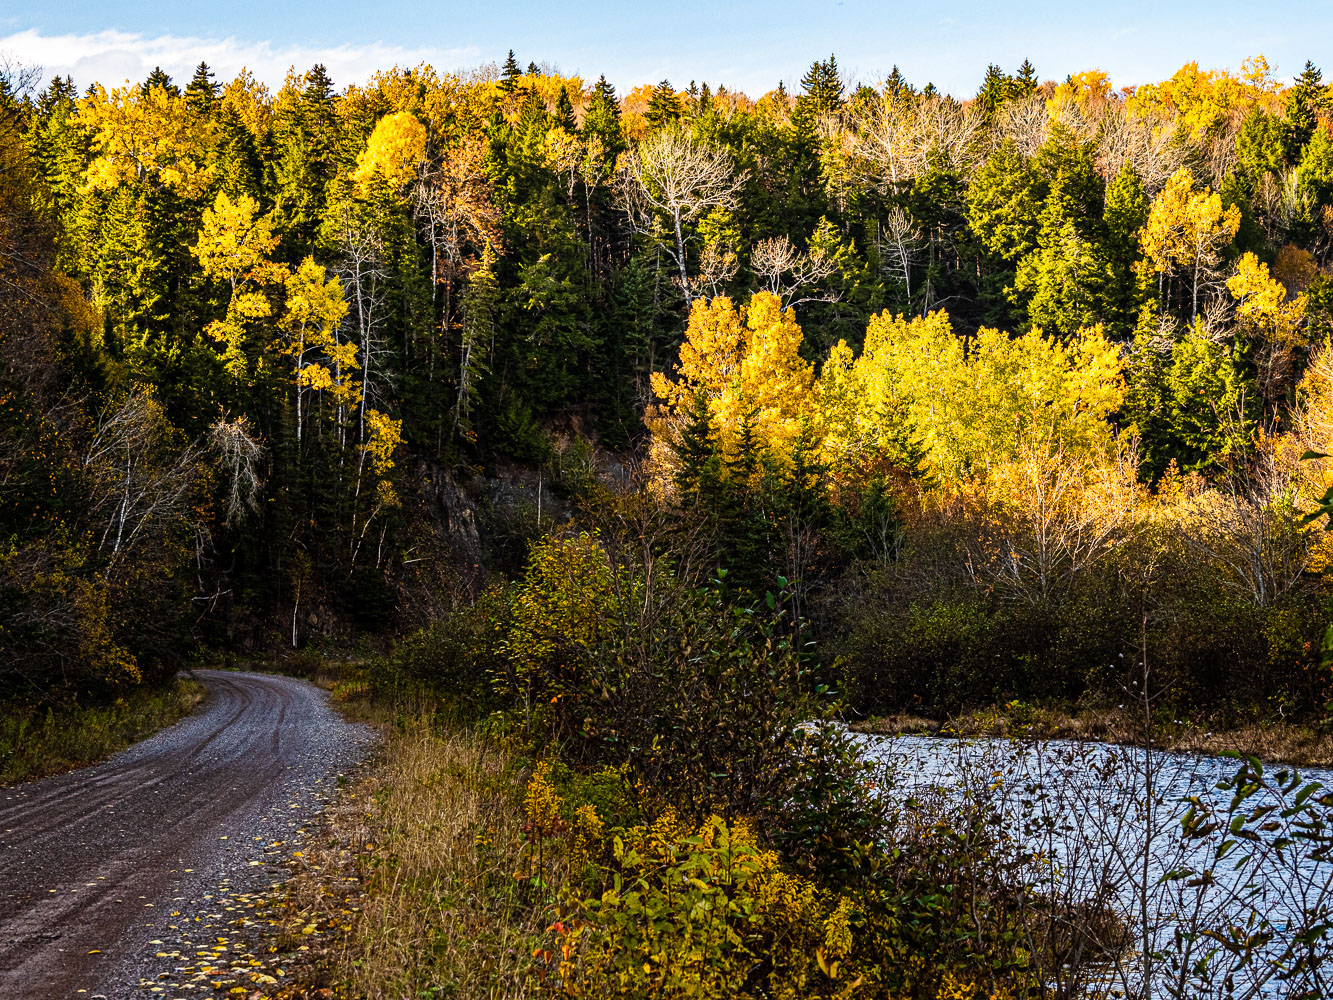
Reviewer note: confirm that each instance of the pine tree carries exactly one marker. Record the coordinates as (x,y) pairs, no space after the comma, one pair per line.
(159,78)
(202,92)
(509,76)
(664,106)
(1025,83)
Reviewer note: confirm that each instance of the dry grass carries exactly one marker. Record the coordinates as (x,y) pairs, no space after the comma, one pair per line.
(410,885)
(35,743)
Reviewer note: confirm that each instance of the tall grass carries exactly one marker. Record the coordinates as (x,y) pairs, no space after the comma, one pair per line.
(35,742)
(434,835)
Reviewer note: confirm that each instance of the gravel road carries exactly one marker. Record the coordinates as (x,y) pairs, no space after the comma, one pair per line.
(109,874)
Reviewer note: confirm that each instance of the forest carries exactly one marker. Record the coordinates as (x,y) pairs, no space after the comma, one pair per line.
(647,427)
(999,386)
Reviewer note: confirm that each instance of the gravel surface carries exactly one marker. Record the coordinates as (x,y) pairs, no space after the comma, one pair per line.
(123,879)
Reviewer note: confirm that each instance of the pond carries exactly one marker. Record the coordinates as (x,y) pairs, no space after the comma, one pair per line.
(1226,885)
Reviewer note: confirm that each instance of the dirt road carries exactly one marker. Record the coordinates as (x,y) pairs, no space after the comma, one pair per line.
(101,869)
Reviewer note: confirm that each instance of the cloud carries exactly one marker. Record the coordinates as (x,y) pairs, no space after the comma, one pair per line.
(111,57)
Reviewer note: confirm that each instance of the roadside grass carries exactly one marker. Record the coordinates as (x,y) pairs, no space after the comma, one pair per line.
(410,885)
(37,742)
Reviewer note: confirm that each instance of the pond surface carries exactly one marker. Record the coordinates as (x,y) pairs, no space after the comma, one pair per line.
(1106,823)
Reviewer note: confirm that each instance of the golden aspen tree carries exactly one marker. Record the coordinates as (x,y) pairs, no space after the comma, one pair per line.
(314,312)
(1206,100)
(145,134)
(746,363)
(234,246)
(1265,314)
(965,405)
(1187,231)
(394,153)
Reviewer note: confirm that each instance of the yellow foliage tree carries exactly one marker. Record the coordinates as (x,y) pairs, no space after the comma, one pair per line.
(965,405)
(1206,100)
(315,310)
(234,246)
(145,135)
(383,436)
(1186,231)
(394,152)
(746,362)
(1274,322)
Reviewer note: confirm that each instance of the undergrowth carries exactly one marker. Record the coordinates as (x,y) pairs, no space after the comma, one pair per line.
(36,742)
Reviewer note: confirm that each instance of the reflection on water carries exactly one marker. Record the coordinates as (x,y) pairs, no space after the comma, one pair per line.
(1109,819)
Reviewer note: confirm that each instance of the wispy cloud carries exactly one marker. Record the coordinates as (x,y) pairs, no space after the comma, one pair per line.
(111,57)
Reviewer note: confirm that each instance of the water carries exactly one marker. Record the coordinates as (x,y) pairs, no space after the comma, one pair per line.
(1105,822)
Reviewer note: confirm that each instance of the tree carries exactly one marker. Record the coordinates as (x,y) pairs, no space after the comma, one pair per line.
(1189,401)
(747,364)
(966,405)
(1005,202)
(148,135)
(664,106)
(1271,321)
(1123,217)
(480,313)
(510,74)
(313,316)
(394,153)
(1306,102)
(1186,231)
(234,246)
(1024,83)
(673,175)
(202,93)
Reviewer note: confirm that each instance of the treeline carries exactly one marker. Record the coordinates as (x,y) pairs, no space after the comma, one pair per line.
(244,328)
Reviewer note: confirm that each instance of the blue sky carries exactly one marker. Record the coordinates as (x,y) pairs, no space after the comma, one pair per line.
(750,45)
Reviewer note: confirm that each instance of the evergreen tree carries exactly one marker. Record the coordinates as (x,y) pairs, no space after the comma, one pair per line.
(510,74)
(202,92)
(1025,82)
(159,78)
(995,90)
(564,112)
(1305,103)
(664,106)
(1124,216)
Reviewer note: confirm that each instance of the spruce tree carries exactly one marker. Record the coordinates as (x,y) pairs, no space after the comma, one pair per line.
(664,106)
(1024,83)
(1305,101)
(159,78)
(564,111)
(510,74)
(202,92)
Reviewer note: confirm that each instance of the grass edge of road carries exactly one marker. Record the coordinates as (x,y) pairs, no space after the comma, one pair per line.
(408,877)
(39,741)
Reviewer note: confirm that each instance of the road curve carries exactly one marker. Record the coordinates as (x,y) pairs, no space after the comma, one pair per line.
(92,862)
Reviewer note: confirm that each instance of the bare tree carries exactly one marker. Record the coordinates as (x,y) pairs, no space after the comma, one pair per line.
(141,484)
(900,243)
(672,177)
(239,453)
(1249,529)
(784,270)
(1150,142)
